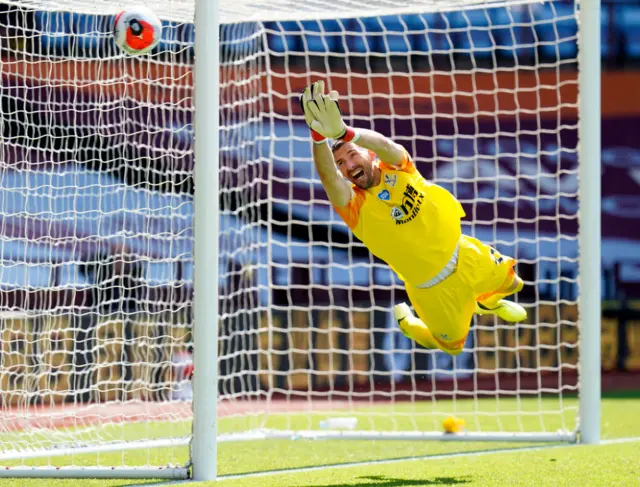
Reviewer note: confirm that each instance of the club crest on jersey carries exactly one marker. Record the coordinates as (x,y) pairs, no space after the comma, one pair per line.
(390,179)
(384,195)
(396,213)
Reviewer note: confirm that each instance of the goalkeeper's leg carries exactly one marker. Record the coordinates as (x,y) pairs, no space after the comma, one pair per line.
(444,314)
(415,329)
(497,305)
(499,282)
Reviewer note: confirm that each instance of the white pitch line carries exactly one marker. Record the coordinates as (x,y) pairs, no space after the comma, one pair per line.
(441,456)
(614,441)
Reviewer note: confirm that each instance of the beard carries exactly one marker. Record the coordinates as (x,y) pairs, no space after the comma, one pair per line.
(365,181)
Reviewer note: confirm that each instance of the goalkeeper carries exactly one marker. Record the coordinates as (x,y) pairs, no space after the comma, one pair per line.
(411,224)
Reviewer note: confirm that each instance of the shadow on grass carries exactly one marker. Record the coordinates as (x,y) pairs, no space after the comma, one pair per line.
(364,481)
(621,394)
(384,481)
(632,394)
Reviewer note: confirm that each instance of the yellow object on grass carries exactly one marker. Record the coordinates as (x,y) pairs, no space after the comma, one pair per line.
(454,425)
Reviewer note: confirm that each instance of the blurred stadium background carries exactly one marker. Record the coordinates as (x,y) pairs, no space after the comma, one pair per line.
(56,260)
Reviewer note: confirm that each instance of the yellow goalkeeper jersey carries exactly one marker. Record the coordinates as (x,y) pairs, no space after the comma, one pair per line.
(410,223)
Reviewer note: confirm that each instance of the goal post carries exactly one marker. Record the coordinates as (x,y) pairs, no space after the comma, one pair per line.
(204,452)
(173,280)
(590,234)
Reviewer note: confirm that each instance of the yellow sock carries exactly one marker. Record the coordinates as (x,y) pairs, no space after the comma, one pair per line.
(415,329)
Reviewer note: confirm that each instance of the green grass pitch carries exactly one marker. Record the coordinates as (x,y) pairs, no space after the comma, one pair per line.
(610,464)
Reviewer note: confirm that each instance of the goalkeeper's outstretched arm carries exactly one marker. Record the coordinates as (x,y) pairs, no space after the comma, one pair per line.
(383,147)
(338,189)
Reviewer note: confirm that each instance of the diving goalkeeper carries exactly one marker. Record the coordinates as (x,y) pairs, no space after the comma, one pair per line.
(411,224)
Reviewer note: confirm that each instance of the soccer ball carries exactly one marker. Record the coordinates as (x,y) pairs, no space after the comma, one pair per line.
(137,30)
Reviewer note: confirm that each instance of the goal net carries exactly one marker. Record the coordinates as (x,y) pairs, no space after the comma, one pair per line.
(97,233)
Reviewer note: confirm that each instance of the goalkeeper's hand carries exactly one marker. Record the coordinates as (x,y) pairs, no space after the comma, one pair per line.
(322,113)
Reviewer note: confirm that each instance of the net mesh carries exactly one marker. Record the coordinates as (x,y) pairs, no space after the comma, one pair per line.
(96,239)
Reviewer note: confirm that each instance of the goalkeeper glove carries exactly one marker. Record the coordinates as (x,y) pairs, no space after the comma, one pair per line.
(323,115)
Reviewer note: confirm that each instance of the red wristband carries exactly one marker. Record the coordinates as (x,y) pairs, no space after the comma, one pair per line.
(350,135)
(317,138)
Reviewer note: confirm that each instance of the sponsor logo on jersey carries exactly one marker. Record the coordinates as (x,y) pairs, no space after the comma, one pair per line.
(390,179)
(384,195)
(410,207)
(444,336)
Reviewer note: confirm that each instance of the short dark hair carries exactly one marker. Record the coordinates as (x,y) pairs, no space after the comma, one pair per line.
(337,145)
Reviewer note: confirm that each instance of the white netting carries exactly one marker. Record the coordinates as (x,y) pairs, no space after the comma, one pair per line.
(239,11)
(96,235)
(485,100)
(97,230)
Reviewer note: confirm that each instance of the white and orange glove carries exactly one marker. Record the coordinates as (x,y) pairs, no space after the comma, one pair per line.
(323,115)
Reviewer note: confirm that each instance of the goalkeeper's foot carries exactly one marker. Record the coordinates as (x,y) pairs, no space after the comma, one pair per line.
(403,314)
(506,310)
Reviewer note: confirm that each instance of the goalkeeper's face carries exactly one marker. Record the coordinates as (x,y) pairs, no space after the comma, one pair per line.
(355,164)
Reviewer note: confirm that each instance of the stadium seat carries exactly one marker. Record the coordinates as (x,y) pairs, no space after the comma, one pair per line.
(556,28)
(238,40)
(55,28)
(324,36)
(185,36)
(396,39)
(359,43)
(436,40)
(68,275)
(283,36)
(90,34)
(471,32)
(414,22)
(628,17)
(607,48)
(170,41)
(20,275)
(512,31)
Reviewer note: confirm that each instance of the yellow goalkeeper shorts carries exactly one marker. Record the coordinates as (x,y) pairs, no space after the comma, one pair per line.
(448,307)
